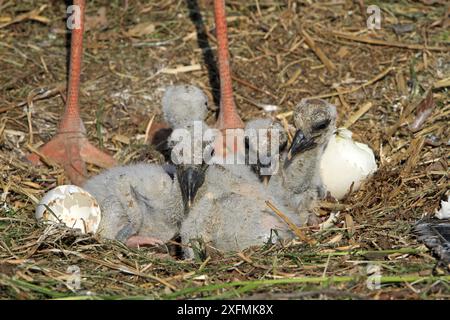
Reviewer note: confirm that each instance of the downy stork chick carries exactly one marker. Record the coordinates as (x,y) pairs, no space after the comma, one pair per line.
(190,150)
(183,104)
(299,182)
(141,204)
(230,212)
(185,108)
(265,139)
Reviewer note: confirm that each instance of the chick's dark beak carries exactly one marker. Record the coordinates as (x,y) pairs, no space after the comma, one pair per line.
(300,143)
(190,179)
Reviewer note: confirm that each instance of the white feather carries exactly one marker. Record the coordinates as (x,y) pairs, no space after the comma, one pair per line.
(444,212)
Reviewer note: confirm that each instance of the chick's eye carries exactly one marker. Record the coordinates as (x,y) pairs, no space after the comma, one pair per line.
(321,125)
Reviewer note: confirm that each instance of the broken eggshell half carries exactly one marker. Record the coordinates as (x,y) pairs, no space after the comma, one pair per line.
(70,205)
(344,162)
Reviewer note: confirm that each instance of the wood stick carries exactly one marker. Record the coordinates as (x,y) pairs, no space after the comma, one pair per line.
(387,43)
(351,90)
(358,114)
(320,54)
(291,225)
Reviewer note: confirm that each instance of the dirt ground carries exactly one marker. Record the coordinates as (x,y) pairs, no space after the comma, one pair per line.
(133,49)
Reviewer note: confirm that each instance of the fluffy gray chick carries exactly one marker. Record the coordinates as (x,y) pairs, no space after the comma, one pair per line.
(298,181)
(183,104)
(141,204)
(185,108)
(260,135)
(189,152)
(230,212)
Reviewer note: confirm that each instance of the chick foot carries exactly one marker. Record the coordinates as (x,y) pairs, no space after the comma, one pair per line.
(141,241)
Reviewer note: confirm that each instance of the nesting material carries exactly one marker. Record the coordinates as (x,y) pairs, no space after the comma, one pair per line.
(71,205)
(345,162)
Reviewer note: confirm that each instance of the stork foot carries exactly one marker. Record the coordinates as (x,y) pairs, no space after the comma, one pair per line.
(141,241)
(231,121)
(230,143)
(72,151)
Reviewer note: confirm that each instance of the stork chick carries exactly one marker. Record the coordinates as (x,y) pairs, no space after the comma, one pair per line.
(230,212)
(262,148)
(188,149)
(183,104)
(141,204)
(185,108)
(298,182)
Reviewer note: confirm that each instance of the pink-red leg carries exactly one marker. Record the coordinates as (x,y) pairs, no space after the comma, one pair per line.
(228,115)
(141,241)
(70,148)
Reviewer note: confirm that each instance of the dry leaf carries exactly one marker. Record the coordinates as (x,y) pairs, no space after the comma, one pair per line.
(182,69)
(431,2)
(337,238)
(343,52)
(349,224)
(31,15)
(403,28)
(414,153)
(141,29)
(97,21)
(424,110)
(121,138)
(358,114)
(442,83)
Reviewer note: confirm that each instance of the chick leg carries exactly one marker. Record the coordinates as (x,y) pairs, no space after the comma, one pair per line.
(129,234)
(116,223)
(132,210)
(142,241)
(307,215)
(309,218)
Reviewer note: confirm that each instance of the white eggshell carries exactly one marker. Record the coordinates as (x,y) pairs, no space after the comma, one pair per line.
(345,161)
(444,212)
(70,205)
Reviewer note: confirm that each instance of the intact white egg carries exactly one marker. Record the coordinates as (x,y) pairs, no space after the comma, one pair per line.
(345,161)
(70,205)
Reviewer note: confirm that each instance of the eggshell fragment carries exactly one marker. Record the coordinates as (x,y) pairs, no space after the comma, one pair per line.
(345,161)
(70,205)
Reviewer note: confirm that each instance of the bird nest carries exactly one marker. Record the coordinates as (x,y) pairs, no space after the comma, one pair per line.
(384,82)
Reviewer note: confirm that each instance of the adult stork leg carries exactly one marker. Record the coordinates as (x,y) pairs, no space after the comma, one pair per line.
(69,147)
(229,122)
(228,115)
